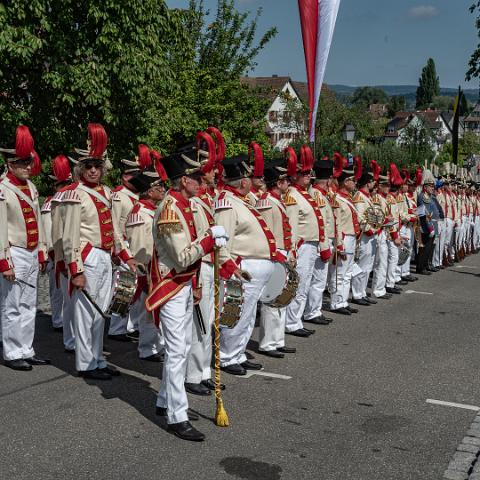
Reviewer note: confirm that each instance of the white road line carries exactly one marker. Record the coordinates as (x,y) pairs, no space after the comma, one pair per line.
(453,404)
(466,266)
(419,293)
(250,373)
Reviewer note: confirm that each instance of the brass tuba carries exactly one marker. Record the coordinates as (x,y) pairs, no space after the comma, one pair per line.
(374,216)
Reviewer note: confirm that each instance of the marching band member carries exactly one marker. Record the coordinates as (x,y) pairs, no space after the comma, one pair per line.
(198,376)
(450,222)
(367,244)
(249,255)
(308,236)
(124,198)
(23,252)
(320,192)
(258,183)
(347,222)
(88,242)
(139,235)
(179,249)
(273,210)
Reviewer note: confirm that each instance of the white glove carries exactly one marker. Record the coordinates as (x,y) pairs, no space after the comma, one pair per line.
(220,241)
(218,232)
(432,234)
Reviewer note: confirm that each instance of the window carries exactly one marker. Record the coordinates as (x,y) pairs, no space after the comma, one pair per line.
(272,115)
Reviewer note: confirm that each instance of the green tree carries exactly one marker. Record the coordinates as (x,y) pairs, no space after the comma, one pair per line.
(417,141)
(368,95)
(429,85)
(469,145)
(474,62)
(396,103)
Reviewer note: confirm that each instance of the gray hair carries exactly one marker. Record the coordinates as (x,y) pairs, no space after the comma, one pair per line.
(233,183)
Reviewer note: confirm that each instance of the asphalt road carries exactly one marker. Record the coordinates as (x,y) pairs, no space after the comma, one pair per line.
(354,407)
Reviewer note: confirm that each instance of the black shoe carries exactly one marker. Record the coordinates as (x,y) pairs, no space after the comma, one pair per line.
(197,389)
(95,374)
(111,371)
(436,269)
(361,301)
(120,338)
(370,300)
(394,290)
(342,311)
(38,361)
(211,384)
(321,320)
(156,357)
(410,278)
(248,365)
(234,369)
(186,431)
(402,282)
(431,269)
(351,309)
(287,349)
(310,331)
(386,296)
(69,350)
(423,272)
(299,333)
(272,353)
(58,329)
(134,334)
(18,364)
(162,412)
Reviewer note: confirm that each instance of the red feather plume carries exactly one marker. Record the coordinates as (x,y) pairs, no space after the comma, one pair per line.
(144,158)
(159,168)
(376,170)
(61,168)
(259,162)
(36,165)
(291,161)
(357,161)
(219,141)
(211,147)
(338,164)
(395,177)
(406,175)
(306,158)
(418,176)
(98,140)
(23,142)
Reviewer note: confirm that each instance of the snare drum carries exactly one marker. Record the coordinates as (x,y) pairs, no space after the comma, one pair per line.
(231,302)
(281,289)
(124,287)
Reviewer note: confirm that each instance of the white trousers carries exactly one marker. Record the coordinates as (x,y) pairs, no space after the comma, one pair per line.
(404,270)
(342,275)
(88,323)
(150,340)
(233,341)
(380,266)
(392,263)
(68,314)
(56,297)
(200,357)
(449,245)
(476,234)
(366,259)
(439,247)
(176,317)
(307,255)
(19,305)
(313,307)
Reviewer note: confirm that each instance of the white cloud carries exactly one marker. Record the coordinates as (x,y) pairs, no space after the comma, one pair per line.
(422,12)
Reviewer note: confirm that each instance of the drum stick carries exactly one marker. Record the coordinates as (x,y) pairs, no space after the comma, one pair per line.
(24,283)
(201,323)
(94,305)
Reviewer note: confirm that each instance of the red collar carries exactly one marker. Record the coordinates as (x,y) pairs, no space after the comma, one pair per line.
(16,181)
(148,204)
(320,189)
(90,184)
(179,198)
(299,188)
(230,189)
(275,195)
(344,194)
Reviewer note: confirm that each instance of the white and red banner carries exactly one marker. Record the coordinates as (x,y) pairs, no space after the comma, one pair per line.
(317,18)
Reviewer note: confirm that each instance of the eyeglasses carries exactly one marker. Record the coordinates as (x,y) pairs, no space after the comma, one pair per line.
(23,162)
(97,164)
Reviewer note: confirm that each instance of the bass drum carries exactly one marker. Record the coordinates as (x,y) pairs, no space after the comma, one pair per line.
(281,289)
(231,302)
(124,287)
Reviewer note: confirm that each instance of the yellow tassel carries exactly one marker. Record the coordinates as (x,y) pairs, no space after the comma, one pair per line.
(221,417)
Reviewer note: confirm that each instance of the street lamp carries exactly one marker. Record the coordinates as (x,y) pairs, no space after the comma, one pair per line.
(469,163)
(349,134)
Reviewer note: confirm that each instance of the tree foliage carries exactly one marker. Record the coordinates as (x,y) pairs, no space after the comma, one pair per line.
(368,95)
(474,62)
(428,85)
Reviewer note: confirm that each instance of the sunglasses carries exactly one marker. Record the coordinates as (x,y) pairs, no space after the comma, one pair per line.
(23,162)
(97,164)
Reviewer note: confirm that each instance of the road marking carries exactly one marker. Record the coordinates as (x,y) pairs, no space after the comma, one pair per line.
(250,373)
(465,266)
(453,404)
(419,293)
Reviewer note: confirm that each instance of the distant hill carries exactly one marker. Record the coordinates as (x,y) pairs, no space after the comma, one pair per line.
(408,91)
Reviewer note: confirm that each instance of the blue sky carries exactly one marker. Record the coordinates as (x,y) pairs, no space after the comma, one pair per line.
(376,42)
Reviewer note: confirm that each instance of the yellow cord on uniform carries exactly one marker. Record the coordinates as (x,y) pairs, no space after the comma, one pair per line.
(221,417)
